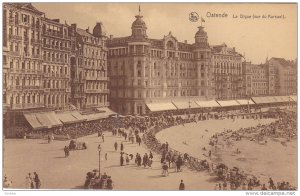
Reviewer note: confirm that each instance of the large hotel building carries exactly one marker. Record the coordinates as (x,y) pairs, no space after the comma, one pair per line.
(142,69)
(49,65)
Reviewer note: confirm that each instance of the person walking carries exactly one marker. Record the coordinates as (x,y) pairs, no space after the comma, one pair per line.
(49,139)
(181,186)
(37,180)
(165,169)
(29,181)
(150,155)
(122,147)
(121,160)
(102,137)
(66,151)
(116,146)
(6,182)
(106,156)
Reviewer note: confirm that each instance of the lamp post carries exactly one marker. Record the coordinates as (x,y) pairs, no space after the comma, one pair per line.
(99,150)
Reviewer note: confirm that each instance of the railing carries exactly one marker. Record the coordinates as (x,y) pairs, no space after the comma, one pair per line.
(96,78)
(36,56)
(16,37)
(26,105)
(37,41)
(14,53)
(97,91)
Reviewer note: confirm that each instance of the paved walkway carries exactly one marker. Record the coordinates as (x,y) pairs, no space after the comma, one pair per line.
(58,172)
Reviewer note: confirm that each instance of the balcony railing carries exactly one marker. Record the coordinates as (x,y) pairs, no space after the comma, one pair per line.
(25,88)
(97,78)
(36,56)
(15,37)
(36,41)
(14,53)
(97,91)
(26,105)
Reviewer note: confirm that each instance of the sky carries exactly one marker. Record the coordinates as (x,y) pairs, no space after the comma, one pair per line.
(257,38)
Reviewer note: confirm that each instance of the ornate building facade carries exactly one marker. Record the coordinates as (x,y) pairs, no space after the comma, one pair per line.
(22,60)
(142,69)
(89,68)
(259,80)
(286,75)
(227,72)
(56,63)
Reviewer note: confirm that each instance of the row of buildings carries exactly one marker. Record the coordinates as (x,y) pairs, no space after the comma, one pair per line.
(49,65)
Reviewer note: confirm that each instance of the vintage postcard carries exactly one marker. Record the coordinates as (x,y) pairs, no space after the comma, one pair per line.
(150,96)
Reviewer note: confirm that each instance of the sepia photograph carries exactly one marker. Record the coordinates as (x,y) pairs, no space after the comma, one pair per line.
(150,96)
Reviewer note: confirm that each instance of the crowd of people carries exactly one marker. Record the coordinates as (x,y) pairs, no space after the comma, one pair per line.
(94,181)
(131,127)
(233,179)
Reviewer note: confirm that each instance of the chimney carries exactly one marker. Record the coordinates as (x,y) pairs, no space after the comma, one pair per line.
(111,36)
(185,41)
(74,26)
(56,20)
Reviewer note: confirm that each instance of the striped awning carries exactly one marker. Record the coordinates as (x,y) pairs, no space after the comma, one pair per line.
(293,97)
(245,101)
(207,104)
(67,117)
(155,107)
(185,104)
(41,120)
(228,103)
(33,121)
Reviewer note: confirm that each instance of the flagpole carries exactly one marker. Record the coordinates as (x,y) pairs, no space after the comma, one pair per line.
(201,21)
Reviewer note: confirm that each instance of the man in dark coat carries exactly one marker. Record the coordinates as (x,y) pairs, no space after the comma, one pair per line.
(122,147)
(181,186)
(121,160)
(116,146)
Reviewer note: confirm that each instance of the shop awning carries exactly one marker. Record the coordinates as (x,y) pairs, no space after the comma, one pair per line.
(78,116)
(207,104)
(155,107)
(48,119)
(106,110)
(185,104)
(245,101)
(67,117)
(33,121)
(261,100)
(293,98)
(228,103)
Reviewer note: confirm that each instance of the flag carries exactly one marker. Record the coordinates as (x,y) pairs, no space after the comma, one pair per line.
(202,20)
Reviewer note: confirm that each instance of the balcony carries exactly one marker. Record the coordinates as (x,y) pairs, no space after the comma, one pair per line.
(68,90)
(97,78)
(15,37)
(97,91)
(14,53)
(19,88)
(27,105)
(36,56)
(11,21)
(79,96)
(46,90)
(26,39)
(36,41)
